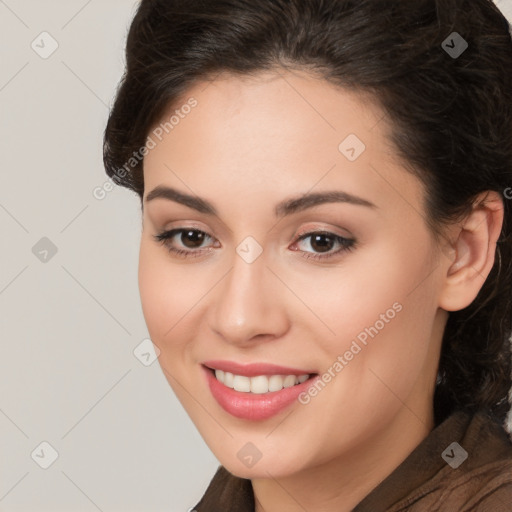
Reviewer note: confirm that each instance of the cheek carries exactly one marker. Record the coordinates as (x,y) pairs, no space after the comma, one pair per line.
(151,276)
(365,290)
(168,300)
(167,297)
(379,307)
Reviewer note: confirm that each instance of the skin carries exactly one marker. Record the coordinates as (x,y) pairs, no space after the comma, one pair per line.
(249,144)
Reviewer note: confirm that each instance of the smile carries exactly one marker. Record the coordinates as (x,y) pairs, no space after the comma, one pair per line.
(256,391)
(260,384)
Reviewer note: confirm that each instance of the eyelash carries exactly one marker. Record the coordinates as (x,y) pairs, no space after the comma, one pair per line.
(164,237)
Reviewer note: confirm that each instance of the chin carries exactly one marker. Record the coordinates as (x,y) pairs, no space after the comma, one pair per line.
(266,466)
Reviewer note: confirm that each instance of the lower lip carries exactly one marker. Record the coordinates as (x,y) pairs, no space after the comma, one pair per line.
(253,406)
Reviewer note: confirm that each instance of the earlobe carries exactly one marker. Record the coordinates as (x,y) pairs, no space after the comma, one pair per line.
(474,249)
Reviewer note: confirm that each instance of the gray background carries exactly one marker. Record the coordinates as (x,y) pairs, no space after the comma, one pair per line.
(69,326)
(71,319)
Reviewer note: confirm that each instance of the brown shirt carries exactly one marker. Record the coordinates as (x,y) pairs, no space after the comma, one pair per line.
(427,480)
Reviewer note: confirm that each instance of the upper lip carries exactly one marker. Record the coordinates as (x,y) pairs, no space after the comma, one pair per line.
(254,369)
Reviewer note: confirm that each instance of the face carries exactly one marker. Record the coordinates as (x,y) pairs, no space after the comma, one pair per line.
(340,290)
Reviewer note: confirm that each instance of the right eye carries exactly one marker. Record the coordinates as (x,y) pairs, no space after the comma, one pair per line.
(190,239)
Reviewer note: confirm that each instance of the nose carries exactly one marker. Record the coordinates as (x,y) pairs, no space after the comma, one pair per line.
(249,305)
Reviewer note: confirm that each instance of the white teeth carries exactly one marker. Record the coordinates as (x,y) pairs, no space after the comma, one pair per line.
(260,384)
(275,383)
(228,380)
(241,383)
(289,381)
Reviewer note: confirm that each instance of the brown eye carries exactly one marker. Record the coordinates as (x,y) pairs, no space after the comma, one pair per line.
(322,244)
(192,238)
(190,241)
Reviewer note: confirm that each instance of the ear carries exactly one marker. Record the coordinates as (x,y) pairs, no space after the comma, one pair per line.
(473,252)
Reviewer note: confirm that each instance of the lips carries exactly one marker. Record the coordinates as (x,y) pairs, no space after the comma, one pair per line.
(255,406)
(255,369)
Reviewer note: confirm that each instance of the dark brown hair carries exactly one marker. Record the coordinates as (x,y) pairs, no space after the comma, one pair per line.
(451,120)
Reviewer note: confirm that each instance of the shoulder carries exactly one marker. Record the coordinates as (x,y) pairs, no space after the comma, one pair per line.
(497,500)
(477,475)
(486,476)
(487,488)
(463,465)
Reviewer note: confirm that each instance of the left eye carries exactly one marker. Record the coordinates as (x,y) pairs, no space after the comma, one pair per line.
(323,241)
(192,240)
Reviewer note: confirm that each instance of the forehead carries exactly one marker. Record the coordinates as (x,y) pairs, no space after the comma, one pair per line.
(281,131)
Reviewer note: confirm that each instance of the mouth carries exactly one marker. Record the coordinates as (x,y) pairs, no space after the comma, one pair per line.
(256,391)
(260,384)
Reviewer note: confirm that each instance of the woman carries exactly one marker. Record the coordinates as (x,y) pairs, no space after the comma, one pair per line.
(325,261)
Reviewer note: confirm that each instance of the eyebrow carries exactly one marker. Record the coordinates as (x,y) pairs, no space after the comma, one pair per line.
(284,208)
